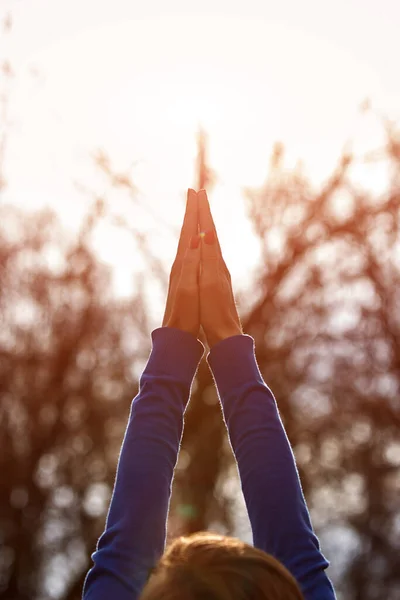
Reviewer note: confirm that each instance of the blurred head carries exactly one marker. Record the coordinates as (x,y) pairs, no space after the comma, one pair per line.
(207,566)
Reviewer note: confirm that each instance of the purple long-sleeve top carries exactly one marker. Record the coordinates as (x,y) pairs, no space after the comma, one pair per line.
(135,532)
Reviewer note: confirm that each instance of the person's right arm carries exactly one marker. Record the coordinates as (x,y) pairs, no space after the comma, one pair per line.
(271,486)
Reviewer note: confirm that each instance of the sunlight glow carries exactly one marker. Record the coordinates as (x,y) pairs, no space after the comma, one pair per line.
(140,88)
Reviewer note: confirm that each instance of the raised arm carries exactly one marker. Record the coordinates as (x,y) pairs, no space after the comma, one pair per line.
(134,537)
(271,486)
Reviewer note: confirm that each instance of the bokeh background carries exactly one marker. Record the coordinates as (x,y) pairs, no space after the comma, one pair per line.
(288,114)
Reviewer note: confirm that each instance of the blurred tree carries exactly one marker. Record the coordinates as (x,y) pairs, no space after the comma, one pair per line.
(324,312)
(69,355)
(326,327)
(327,330)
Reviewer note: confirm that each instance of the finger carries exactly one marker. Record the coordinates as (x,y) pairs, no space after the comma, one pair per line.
(190,223)
(191,266)
(213,263)
(206,221)
(211,247)
(207,227)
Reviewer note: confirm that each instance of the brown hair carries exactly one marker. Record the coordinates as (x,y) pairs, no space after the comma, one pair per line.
(208,566)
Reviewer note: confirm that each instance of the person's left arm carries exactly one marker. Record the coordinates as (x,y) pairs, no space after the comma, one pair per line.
(134,537)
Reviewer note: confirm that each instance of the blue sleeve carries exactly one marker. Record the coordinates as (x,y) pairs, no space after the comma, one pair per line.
(270,482)
(134,536)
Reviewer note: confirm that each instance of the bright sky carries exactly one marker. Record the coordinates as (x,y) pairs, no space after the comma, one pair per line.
(136,79)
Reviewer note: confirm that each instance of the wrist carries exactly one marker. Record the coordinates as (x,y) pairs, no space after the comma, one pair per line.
(194,332)
(214,339)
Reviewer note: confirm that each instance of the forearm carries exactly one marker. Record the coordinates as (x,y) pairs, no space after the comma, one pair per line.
(134,537)
(142,487)
(277,510)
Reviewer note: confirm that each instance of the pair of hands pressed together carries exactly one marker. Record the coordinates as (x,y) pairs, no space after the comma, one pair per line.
(200,289)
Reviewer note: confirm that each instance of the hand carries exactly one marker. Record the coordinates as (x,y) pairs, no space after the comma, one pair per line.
(183,307)
(218,314)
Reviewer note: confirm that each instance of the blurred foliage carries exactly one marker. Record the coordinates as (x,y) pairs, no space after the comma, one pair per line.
(324,312)
(68,353)
(326,322)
